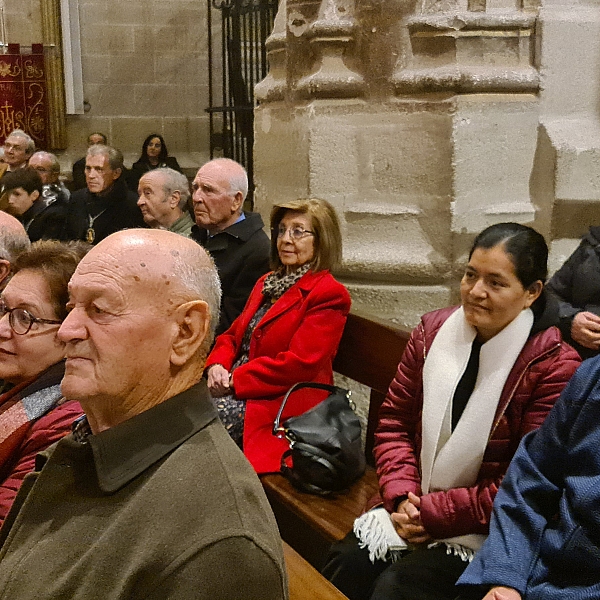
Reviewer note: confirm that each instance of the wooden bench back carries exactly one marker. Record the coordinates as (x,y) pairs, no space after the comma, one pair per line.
(369,353)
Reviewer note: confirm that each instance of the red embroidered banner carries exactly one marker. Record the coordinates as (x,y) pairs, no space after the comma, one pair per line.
(23,98)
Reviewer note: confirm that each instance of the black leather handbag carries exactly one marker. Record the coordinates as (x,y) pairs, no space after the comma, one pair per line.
(325,454)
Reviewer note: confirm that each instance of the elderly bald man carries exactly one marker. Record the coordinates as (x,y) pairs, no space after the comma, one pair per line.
(13,241)
(48,168)
(235,239)
(149,497)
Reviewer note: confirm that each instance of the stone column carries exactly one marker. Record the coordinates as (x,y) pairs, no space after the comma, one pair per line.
(419,121)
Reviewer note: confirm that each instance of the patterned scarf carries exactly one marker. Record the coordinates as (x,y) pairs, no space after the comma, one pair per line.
(277,282)
(23,405)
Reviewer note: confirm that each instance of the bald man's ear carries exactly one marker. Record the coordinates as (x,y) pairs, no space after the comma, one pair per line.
(193,319)
(4,272)
(238,202)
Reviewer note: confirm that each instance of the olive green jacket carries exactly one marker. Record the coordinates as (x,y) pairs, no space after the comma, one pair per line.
(163,505)
(183,225)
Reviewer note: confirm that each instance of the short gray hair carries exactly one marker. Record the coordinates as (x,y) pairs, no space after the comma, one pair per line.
(54,163)
(12,243)
(115,157)
(173,181)
(199,278)
(30,148)
(238,180)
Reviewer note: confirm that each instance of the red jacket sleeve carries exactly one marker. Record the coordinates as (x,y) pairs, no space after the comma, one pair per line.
(396,450)
(43,433)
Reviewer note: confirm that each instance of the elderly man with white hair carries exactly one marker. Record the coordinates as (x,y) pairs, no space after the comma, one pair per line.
(18,147)
(149,497)
(163,199)
(235,238)
(106,205)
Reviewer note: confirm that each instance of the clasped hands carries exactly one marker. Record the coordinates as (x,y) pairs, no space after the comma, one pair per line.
(407,520)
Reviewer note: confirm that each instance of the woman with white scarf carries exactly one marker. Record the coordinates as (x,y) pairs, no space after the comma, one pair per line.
(472,382)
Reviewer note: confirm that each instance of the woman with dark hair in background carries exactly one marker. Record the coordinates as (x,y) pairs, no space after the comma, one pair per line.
(289,331)
(33,414)
(154,155)
(473,380)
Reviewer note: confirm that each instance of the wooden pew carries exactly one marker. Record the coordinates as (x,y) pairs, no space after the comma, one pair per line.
(305,582)
(369,353)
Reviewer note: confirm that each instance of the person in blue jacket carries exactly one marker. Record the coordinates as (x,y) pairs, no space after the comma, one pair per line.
(544,540)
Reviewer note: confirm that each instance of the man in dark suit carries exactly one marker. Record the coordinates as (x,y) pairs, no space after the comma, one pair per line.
(106,205)
(234,238)
(79,165)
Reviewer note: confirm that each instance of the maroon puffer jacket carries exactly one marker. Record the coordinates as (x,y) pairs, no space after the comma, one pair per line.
(539,375)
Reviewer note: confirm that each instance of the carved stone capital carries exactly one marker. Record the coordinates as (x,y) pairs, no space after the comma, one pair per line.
(470,52)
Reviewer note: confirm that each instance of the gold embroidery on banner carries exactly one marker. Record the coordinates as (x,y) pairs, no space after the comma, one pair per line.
(10,119)
(9,70)
(32,71)
(36,123)
(23,96)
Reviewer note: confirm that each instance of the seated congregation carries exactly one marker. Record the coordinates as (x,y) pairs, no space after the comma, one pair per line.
(123,363)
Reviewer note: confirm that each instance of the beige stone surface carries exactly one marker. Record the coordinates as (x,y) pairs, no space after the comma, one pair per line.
(144,70)
(495,139)
(402,305)
(469,113)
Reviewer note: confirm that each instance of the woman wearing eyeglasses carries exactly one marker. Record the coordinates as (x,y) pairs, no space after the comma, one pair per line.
(32,412)
(289,331)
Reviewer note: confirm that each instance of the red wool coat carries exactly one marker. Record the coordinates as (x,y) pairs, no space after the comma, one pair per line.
(540,373)
(295,341)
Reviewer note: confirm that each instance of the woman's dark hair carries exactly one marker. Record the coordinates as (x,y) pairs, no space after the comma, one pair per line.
(28,179)
(526,247)
(162,157)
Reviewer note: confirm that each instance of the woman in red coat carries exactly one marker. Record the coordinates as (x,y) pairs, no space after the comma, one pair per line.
(289,331)
(472,382)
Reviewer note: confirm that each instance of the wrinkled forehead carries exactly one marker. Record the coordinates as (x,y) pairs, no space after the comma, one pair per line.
(16,140)
(97,160)
(142,273)
(153,179)
(215,174)
(41,160)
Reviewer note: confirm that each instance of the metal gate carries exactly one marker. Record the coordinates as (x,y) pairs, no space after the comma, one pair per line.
(234,69)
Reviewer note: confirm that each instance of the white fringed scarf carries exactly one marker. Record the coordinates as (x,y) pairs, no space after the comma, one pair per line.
(451,459)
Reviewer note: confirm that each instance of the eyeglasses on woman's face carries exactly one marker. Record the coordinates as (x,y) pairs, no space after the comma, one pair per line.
(21,320)
(296,233)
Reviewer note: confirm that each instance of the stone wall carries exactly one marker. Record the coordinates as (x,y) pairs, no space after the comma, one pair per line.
(423,123)
(144,70)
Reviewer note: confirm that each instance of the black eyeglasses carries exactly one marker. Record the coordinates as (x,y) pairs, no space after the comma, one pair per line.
(296,233)
(21,320)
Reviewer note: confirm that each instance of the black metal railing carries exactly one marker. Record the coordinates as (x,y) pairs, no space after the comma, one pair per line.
(242,63)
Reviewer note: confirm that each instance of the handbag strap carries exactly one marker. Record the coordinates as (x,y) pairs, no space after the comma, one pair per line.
(299,386)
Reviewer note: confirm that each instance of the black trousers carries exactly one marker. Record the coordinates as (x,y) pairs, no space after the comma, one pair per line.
(419,575)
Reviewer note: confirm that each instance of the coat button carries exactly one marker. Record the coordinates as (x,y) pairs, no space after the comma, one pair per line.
(258,334)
